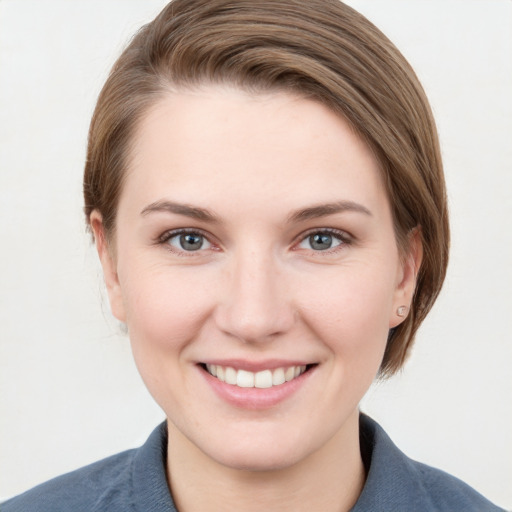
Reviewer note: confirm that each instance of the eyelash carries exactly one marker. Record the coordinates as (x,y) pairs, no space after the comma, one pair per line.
(168,235)
(344,238)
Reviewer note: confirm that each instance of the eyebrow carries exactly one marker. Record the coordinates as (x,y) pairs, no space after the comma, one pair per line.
(303,214)
(321,210)
(180,209)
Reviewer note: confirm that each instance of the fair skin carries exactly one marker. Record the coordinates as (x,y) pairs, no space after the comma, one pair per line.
(288,268)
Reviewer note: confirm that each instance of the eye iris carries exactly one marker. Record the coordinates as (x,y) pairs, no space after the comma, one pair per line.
(191,241)
(320,241)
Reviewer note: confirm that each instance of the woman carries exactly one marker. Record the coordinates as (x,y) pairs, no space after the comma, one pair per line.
(265,190)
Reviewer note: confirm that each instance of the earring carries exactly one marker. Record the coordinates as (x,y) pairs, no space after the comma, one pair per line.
(402,311)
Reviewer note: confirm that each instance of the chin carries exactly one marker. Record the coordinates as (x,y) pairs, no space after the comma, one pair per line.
(259,460)
(260,453)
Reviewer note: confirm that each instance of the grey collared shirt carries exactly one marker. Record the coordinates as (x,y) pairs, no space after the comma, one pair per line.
(135,481)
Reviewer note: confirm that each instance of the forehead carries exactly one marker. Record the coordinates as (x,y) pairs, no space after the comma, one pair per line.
(218,140)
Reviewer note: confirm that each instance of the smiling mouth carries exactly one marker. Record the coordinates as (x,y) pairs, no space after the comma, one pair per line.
(262,379)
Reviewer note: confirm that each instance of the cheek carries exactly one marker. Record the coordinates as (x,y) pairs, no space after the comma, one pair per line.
(165,312)
(165,309)
(351,315)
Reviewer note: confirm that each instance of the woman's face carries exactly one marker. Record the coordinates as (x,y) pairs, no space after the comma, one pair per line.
(254,247)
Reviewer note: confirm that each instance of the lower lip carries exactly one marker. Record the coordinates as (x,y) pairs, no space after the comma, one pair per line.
(256,398)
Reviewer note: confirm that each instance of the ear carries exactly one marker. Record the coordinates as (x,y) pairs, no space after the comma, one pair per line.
(108,262)
(406,284)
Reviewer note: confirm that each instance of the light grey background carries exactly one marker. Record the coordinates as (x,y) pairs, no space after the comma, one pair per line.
(69,392)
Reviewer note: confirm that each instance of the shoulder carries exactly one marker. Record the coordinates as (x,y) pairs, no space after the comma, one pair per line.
(397,483)
(82,489)
(134,480)
(446,492)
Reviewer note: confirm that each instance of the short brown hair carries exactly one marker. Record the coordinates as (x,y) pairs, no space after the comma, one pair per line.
(321,49)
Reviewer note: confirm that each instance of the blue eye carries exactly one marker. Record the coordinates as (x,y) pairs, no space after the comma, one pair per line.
(321,241)
(188,241)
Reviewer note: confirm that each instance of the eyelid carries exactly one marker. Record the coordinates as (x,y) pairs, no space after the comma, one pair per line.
(171,233)
(179,231)
(342,235)
(345,237)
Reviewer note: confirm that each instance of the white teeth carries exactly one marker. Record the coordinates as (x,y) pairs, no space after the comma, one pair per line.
(230,375)
(278,377)
(212,369)
(262,379)
(244,379)
(289,373)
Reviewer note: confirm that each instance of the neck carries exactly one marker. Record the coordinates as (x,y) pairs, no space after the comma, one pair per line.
(329,479)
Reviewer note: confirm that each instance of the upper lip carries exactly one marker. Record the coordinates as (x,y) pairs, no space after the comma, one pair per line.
(256,366)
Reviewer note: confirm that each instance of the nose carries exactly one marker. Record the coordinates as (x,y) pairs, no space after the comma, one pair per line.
(256,305)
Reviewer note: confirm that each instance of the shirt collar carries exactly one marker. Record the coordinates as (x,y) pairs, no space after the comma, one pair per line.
(149,481)
(391,482)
